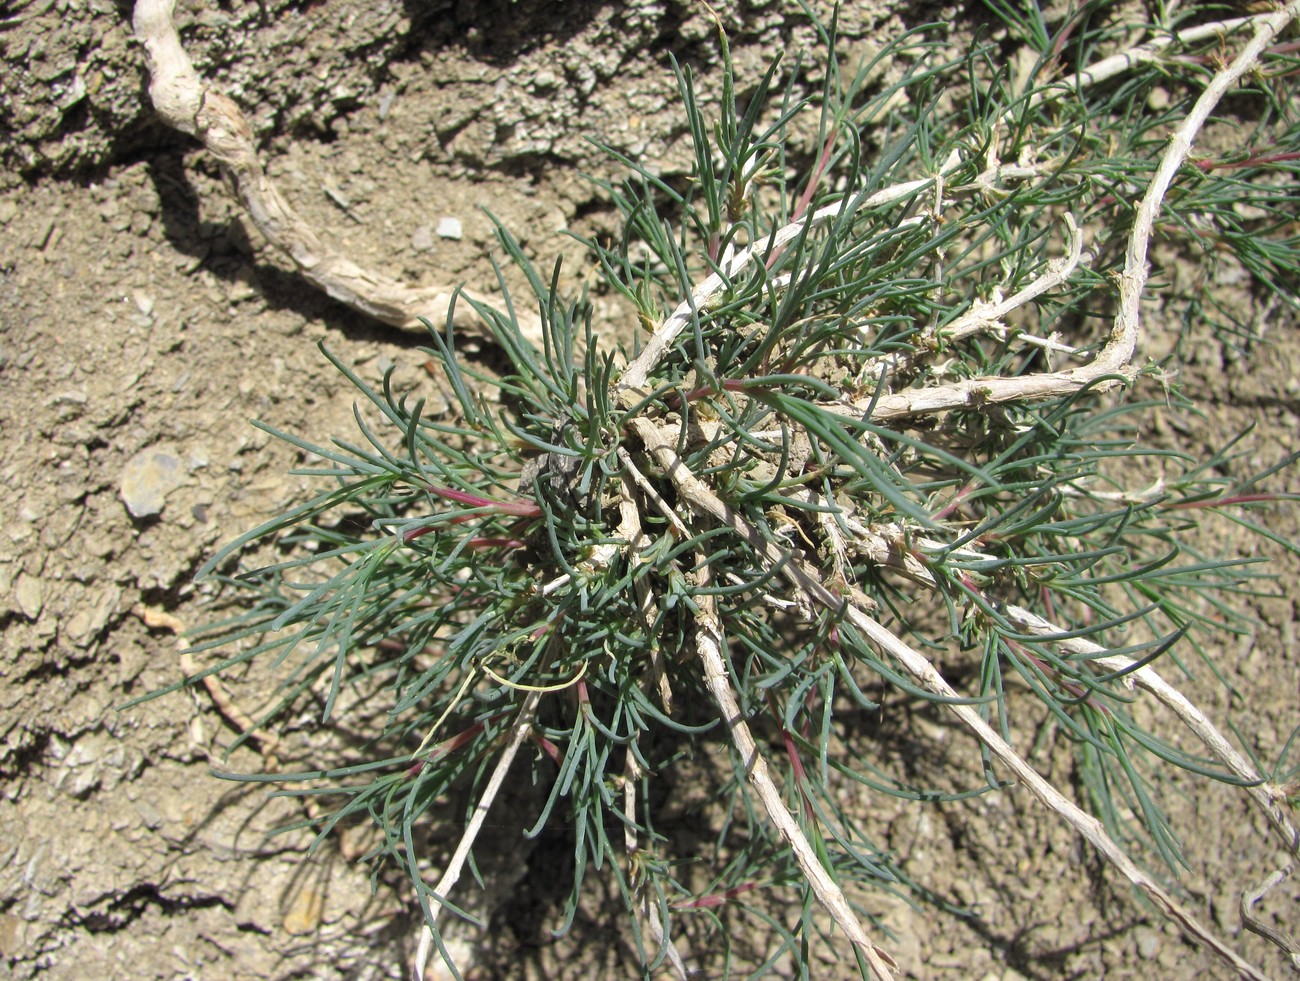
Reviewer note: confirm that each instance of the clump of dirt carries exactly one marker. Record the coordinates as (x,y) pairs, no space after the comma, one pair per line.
(142,325)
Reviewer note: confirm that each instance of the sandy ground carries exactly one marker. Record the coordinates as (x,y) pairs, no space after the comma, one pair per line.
(142,325)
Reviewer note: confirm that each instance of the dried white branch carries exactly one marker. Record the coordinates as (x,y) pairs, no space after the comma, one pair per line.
(451,874)
(1050,345)
(984,317)
(1279,938)
(1270,799)
(185,103)
(634,376)
(661,445)
(1112,364)
(645,905)
(1267,796)
(703,501)
(648,489)
(1141,54)
(884,545)
(631,531)
(1085,824)
(708,645)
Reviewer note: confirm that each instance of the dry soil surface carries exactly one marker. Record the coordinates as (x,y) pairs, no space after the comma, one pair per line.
(142,325)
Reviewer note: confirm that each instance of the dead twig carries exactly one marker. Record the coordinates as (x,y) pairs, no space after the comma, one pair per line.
(186,103)
(1280,938)
(268,743)
(520,732)
(704,501)
(630,530)
(708,646)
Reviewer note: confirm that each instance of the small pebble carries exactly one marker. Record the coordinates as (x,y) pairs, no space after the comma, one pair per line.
(305,912)
(450,228)
(244,286)
(1148,942)
(30,596)
(148,478)
(422,239)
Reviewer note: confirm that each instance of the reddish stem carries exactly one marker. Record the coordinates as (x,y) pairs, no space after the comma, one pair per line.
(1209,165)
(1076,691)
(952,505)
(823,162)
(482,543)
(718,899)
(524,509)
(547,747)
(445,747)
(805,199)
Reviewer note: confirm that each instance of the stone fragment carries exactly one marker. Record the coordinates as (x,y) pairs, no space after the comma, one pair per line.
(422,239)
(244,286)
(148,478)
(450,228)
(305,912)
(13,934)
(91,616)
(30,596)
(1148,942)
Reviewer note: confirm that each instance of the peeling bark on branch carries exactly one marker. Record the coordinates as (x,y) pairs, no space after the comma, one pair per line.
(185,103)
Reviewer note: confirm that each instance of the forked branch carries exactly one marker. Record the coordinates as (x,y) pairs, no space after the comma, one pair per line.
(703,501)
(1111,366)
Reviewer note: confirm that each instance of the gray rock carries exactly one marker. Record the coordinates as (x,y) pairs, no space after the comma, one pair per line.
(148,478)
(422,239)
(1148,942)
(30,596)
